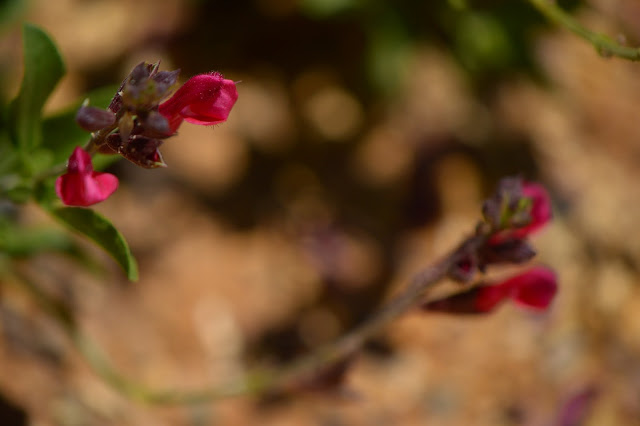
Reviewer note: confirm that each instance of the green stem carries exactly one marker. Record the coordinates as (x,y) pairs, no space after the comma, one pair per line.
(603,44)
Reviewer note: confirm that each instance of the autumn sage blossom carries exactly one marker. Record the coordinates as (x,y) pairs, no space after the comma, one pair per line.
(533,212)
(515,211)
(81,185)
(533,289)
(204,99)
(137,122)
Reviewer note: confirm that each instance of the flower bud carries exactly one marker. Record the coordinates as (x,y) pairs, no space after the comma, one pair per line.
(146,87)
(516,210)
(513,250)
(93,119)
(165,82)
(155,125)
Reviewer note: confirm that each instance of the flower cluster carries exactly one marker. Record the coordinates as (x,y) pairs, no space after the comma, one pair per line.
(515,211)
(137,122)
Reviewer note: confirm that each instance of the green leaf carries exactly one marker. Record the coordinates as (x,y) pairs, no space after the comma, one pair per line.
(23,242)
(97,228)
(43,68)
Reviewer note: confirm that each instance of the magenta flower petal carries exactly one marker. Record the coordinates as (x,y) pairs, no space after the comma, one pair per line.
(534,289)
(540,208)
(81,185)
(79,162)
(540,213)
(204,99)
(491,296)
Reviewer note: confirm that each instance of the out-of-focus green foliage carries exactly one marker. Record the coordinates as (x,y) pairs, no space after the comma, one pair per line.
(9,9)
(34,150)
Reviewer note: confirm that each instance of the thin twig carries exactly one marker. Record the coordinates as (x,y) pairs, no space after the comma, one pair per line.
(256,382)
(605,45)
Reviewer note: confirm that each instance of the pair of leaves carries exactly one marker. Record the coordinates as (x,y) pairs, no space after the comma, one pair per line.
(43,68)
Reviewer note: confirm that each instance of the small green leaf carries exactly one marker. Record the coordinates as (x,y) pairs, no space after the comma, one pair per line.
(43,68)
(97,228)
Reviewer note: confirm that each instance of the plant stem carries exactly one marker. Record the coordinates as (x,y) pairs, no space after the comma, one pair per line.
(603,44)
(256,382)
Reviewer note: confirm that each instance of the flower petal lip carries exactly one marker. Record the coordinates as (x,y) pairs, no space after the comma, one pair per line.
(204,99)
(535,288)
(81,185)
(79,162)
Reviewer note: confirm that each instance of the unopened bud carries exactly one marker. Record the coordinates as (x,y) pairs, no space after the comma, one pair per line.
(165,82)
(509,251)
(155,125)
(139,73)
(499,210)
(92,119)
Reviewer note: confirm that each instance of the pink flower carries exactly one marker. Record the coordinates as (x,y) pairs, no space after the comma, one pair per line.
(533,289)
(204,99)
(81,185)
(540,209)
(540,214)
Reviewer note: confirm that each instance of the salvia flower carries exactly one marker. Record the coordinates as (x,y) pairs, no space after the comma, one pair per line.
(204,99)
(81,185)
(516,210)
(533,289)
(524,208)
(137,121)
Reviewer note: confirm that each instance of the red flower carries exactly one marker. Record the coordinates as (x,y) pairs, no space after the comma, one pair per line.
(81,185)
(533,289)
(203,99)
(539,213)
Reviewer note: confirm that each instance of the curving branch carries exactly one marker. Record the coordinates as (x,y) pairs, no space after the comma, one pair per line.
(605,45)
(516,210)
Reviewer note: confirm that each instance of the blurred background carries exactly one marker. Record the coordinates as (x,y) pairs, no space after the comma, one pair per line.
(365,137)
